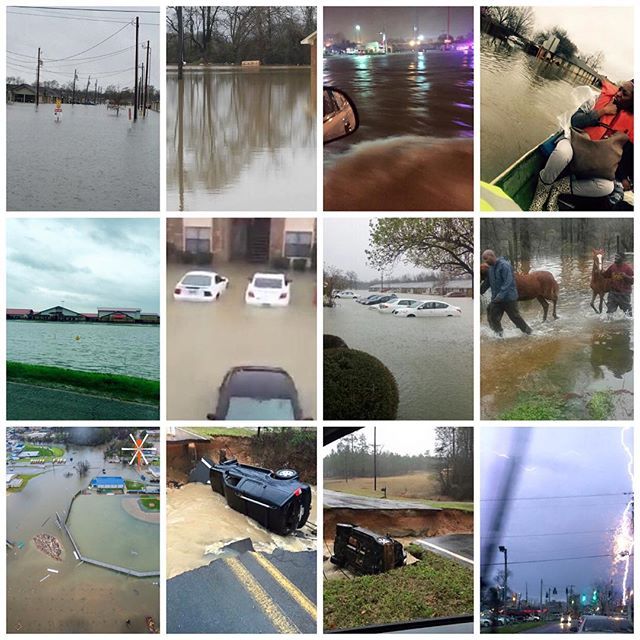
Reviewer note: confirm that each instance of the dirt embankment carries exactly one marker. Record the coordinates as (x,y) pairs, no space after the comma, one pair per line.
(401,523)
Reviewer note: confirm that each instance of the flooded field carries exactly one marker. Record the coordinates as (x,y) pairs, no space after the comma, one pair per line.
(79,598)
(204,340)
(431,358)
(91,160)
(241,140)
(570,358)
(132,350)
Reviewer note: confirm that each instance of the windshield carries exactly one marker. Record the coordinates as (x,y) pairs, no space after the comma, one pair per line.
(254,409)
(268,283)
(196,281)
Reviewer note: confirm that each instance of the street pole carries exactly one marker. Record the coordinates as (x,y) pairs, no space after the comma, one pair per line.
(75,77)
(146,84)
(95,92)
(38,80)
(541,597)
(504,597)
(135,71)
(141,84)
(180,42)
(375,451)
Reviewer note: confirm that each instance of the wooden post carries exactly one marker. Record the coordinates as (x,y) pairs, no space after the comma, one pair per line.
(146,84)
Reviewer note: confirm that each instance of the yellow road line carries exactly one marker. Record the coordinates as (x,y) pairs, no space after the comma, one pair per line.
(273,612)
(287,585)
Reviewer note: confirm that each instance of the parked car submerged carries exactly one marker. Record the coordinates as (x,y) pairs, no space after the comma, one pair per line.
(346,294)
(268,290)
(429,308)
(200,286)
(397,303)
(363,299)
(379,299)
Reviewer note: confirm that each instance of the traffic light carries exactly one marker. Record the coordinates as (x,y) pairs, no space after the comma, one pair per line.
(583,598)
(594,597)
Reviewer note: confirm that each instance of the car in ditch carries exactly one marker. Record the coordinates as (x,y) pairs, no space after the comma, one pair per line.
(200,286)
(277,500)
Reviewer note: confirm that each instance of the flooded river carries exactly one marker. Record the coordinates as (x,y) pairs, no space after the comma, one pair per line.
(79,598)
(424,94)
(204,340)
(241,140)
(578,354)
(91,160)
(132,350)
(521,98)
(431,358)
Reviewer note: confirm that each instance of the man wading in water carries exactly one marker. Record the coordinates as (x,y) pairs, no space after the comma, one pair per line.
(621,276)
(504,295)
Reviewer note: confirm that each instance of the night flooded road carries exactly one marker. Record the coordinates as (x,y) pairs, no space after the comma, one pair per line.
(565,361)
(431,358)
(241,140)
(92,160)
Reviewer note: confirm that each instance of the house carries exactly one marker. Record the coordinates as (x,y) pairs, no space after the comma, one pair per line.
(461,287)
(21,93)
(19,314)
(118,314)
(108,483)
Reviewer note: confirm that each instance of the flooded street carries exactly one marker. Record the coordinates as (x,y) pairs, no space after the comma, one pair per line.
(91,160)
(79,598)
(430,358)
(425,94)
(572,357)
(241,140)
(132,350)
(205,340)
(522,99)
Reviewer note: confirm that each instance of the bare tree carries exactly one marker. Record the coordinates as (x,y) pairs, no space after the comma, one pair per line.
(82,467)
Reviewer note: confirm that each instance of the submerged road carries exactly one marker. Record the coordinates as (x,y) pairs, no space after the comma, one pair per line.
(552,627)
(340,500)
(250,592)
(456,546)
(31,402)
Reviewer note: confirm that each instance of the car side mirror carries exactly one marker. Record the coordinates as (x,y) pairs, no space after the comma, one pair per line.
(339,115)
(211,416)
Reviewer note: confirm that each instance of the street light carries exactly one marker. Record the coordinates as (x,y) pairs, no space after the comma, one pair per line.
(503,549)
(357,31)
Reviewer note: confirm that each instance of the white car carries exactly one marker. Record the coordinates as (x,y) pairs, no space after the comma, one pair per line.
(200,286)
(268,290)
(346,294)
(398,303)
(428,308)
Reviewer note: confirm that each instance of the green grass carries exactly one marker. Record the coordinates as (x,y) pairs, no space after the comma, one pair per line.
(600,405)
(536,408)
(150,504)
(223,431)
(45,452)
(431,588)
(25,477)
(517,628)
(104,384)
(134,485)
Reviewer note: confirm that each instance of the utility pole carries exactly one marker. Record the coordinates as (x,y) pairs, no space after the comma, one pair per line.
(86,91)
(375,452)
(541,597)
(503,549)
(95,92)
(38,80)
(75,77)
(135,70)
(146,84)
(180,42)
(141,84)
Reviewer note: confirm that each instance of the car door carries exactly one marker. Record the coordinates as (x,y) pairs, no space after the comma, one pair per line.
(440,309)
(425,310)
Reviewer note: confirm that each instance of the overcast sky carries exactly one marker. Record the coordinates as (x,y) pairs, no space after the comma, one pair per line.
(558,461)
(345,242)
(405,441)
(397,22)
(606,29)
(66,33)
(83,264)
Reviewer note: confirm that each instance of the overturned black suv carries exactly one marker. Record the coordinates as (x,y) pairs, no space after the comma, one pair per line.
(365,551)
(275,499)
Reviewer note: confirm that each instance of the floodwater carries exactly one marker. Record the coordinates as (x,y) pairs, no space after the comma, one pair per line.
(425,94)
(97,523)
(522,99)
(430,358)
(574,356)
(205,340)
(241,140)
(132,350)
(80,598)
(91,160)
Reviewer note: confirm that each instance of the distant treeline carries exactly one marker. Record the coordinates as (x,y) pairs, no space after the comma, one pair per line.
(229,35)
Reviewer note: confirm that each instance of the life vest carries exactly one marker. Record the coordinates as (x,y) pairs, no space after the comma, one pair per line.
(621,121)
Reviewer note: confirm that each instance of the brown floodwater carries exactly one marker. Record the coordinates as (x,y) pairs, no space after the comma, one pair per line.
(204,340)
(578,354)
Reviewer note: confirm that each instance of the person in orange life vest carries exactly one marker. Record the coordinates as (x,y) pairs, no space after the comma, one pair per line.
(611,110)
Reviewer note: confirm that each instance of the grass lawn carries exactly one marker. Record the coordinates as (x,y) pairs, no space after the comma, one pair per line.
(134,485)
(103,384)
(25,479)
(45,452)
(433,587)
(150,504)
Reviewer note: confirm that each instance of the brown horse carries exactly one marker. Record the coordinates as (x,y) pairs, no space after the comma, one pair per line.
(535,285)
(599,284)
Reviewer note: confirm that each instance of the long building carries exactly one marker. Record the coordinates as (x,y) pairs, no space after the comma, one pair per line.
(104,314)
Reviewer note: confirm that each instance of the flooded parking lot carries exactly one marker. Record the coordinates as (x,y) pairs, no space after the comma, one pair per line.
(241,140)
(430,358)
(205,340)
(92,160)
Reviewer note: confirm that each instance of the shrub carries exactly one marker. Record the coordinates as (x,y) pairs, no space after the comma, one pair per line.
(358,386)
(600,406)
(333,342)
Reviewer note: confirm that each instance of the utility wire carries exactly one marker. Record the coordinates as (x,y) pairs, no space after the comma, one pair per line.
(94,46)
(584,495)
(563,533)
(81,18)
(88,9)
(602,555)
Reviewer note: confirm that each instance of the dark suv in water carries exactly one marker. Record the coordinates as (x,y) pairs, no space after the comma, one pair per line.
(276,499)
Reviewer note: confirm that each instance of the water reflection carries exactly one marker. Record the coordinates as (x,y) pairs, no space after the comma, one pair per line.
(241,140)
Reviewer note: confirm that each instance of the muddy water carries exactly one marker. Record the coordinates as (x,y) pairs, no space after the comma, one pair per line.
(576,355)
(431,358)
(204,340)
(241,140)
(78,598)
(198,520)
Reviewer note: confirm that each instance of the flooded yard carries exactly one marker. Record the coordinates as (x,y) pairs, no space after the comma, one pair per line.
(241,140)
(205,340)
(92,160)
(430,358)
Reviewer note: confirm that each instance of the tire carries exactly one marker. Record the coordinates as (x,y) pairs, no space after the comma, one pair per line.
(410,315)
(285,474)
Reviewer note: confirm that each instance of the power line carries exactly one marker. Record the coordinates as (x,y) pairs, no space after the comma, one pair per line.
(512,562)
(81,18)
(563,533)
(584,495)
(134,11)
(94,46)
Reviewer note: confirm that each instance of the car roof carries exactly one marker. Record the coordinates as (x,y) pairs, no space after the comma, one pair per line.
(268,275)
(199,273)
(259,382)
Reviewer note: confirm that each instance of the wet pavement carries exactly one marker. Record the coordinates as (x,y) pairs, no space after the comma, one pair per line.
(339,500)
(456,546)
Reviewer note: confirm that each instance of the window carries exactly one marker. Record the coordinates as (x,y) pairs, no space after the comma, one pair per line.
(440,305)
(297,244)
(197,239)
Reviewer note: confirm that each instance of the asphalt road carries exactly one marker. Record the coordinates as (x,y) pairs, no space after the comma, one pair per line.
(456,546)
(340,500)
(31,402)
(248,593)
(552,627)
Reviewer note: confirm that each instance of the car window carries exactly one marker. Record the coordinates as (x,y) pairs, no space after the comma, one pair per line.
(219,279)
(440,305)
(268,283)
(254,409)
(197,281)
